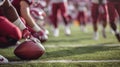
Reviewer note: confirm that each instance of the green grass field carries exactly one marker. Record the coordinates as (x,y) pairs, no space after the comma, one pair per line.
(77,50)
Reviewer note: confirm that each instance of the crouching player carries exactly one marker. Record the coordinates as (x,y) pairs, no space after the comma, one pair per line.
(12,29)
(23,9)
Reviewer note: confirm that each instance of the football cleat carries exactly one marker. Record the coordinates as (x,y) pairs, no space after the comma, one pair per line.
(56,32)
(96,36)
(103,33)
(83,28)
(3,59)
(67,30)
(118,37)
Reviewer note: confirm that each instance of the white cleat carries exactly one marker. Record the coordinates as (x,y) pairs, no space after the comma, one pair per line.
(83,29)
(56,32)
(103,33)
(96,36)
(112,31)
(3,59)
(67,30)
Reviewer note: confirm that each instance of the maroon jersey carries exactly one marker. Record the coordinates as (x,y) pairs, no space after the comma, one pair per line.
(113,0)
(16,4)
(1,12)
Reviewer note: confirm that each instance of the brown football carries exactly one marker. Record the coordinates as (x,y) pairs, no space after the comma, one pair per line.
(29,50)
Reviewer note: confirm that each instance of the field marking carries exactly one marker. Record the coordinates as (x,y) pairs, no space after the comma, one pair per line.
(67,61)
(62,61)
(80,45)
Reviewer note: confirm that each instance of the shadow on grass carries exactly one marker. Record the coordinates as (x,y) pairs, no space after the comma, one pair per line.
(78,51)
(71,52)
(68,40)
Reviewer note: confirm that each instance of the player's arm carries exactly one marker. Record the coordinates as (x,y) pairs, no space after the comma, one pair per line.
(12,15)
(25,13)
(9,10)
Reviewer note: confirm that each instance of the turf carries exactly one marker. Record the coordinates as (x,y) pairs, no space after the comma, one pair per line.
(77,46)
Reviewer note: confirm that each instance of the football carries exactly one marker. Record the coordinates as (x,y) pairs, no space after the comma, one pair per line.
(29,50)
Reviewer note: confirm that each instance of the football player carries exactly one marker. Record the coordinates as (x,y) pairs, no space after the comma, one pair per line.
(71,11)
(10,27)
(39,15)
(113,7)
(23,9)
(99,12)
(56,6)
(81,6)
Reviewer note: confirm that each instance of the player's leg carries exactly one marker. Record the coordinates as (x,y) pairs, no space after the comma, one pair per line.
(9,33)
(63,9)
(104,18)
(118,10)
(95,15)
(112,15)
(54,20)
(82,20)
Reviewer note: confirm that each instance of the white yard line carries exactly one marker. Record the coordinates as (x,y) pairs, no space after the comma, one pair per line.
(68,61)
(80,45)
(63,61)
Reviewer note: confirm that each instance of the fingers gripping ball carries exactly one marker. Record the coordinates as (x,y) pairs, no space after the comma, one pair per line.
(42,36)
(26,34)
(29,50)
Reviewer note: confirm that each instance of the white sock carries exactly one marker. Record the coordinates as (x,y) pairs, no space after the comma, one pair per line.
(19,24)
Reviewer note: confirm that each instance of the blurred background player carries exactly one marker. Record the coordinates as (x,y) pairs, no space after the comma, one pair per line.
(59,7)
(12,29)
(41,4)
(113,7)
(23,9)
(99,13)
(81,6)
(72,12)
(38,13)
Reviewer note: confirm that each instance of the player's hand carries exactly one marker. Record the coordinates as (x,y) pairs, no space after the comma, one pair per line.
(41,35)
(26,33)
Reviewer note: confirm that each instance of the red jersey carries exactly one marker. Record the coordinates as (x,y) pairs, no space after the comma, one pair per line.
(113,0)
(16,4)
(1,12)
